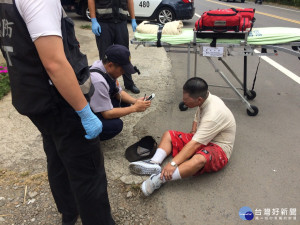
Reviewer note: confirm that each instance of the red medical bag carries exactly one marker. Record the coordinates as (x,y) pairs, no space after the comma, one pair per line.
(247,20)
(248,12)
(223,20)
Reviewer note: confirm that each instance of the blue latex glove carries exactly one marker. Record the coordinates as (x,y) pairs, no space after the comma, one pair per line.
(90,122)
(133,24)
(96,28)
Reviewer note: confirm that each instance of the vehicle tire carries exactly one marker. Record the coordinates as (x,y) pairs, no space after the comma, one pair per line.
(242,1)
(85,11)
(165,15)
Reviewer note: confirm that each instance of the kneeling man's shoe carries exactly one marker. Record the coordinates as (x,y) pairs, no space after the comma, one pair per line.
(146,167)
(67,220)
(149,186)
(134,89)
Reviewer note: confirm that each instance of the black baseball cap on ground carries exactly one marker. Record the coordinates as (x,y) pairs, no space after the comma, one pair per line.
(120,54)
(143,149)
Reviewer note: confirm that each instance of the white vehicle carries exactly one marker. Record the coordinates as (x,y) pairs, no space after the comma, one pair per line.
(162,11)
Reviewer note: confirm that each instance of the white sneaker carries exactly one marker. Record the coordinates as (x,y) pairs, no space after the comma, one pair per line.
(146,167)
(150,185)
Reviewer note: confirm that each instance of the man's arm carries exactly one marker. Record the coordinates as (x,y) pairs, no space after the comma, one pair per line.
(118,112)
(194,127)
(52,55)
(138,106)
(125,97)
(96,28)
(92,8)
(187,152)
(130,7)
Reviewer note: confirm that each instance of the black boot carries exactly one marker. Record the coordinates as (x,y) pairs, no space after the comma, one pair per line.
(134,89)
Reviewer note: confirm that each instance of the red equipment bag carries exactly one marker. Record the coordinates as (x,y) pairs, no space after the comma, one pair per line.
(247,20)
(223,20)
(248,12)
(220,20)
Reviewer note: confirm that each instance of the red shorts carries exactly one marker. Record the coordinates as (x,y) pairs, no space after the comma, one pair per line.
(216,158)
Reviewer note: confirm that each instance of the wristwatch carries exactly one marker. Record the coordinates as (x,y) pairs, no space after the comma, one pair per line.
(174,164)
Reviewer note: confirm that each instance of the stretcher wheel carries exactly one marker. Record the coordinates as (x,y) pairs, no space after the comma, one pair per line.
(255,109)
(182,106)
(250,95)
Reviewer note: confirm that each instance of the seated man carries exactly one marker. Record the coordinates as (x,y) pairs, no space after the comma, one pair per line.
(109,102)
(206,149)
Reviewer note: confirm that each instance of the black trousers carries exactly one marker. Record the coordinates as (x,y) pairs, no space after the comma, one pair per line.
(75,167)
(111,127)
(114,33)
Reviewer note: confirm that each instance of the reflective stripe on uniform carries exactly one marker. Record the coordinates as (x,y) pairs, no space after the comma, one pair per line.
(110,11)
(6,1)
(85,87)
(104,11)
(125,12)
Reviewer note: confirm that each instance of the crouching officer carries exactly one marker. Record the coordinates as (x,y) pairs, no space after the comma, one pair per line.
(44,87)
(109,101)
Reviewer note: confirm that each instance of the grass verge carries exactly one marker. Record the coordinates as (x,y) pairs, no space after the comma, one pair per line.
(4,81)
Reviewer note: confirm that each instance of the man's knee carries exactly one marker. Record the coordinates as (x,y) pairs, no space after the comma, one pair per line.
(119,125)
(167,135)
(198,161)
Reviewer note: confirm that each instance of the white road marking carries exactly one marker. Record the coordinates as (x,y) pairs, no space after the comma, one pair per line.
(197,15)
(282,69)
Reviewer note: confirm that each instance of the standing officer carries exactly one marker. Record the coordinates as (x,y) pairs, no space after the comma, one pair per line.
(44,88)
(109,24)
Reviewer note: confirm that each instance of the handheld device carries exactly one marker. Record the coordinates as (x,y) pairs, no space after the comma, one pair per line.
(150,97)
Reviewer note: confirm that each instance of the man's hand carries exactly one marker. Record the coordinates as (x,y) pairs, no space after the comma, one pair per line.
(167,172)
(141,106)
(133,24)
(92,125)
(96,28)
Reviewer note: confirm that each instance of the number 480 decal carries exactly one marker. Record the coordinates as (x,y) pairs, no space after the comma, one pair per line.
(144,4)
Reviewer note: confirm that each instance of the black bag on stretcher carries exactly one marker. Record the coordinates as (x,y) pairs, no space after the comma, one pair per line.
(224,20)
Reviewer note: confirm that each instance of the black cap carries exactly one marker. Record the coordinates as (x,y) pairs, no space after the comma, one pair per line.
(120,54)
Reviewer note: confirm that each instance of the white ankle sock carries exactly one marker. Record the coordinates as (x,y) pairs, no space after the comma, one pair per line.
(159,156)
(175,176)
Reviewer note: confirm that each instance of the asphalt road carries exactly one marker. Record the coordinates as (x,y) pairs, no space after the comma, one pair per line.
(263,172)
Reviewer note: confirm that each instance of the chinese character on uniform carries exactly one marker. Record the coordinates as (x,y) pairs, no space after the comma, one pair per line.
(6,28)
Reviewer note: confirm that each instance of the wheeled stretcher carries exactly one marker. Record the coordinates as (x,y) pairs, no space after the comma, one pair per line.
(227,44)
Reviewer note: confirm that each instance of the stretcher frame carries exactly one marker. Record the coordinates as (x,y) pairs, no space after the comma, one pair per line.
(195,48)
